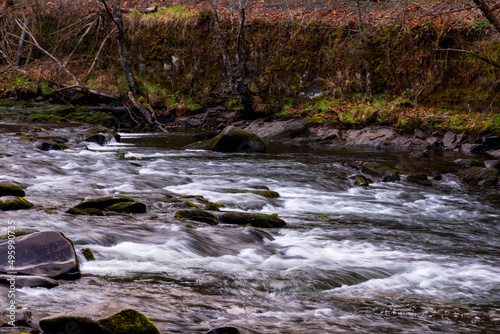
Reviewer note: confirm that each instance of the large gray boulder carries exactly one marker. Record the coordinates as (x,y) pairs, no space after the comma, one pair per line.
(101,318)
(232,139)
(46,254)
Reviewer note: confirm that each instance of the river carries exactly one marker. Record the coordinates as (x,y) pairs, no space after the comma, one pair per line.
(389,258)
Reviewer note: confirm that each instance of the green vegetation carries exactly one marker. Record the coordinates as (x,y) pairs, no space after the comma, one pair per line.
(309,71)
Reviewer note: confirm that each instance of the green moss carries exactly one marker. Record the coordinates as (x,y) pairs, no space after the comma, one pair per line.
(197,215)
(127,207)
(88,254)
(18,203)
(197,197)
(190,204)
(11,190)
(265,193)
(19,233)
(253,219)
(128,322)
(86,211)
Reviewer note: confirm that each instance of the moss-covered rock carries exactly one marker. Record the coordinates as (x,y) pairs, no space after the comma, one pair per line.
(197,215)
(265,193)
(360,180)
(252,219)
(211,207)
(88,254)
(232,139)
(86,212)
(197,197)
(101,318)
(481,176)
(19,233)
(8,203)
(11,190)
(128,207)
(103,202)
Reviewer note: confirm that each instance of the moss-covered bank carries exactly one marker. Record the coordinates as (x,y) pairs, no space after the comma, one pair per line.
(306,70)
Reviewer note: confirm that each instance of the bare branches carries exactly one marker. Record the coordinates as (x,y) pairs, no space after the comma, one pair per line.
(486,60)
(35,43)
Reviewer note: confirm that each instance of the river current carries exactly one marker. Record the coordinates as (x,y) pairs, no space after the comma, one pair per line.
(389,258)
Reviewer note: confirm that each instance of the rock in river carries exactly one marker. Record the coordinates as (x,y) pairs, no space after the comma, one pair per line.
(198,216)
(100,318)
(252,219)
(232,139)
(8,203)
(47,254)
(11,190)
(95,206)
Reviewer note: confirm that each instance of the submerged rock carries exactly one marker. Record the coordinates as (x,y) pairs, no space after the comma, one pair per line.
(102,139)
(481,176)
(128,207)
(11,190)
(232,139)
(198,216)
(231,330)
(421,179)
(47,254)
(8,203)
(265,193)
(101,318)
(252,219)
(96,206)
(23,281)
(20,232)
(103,202)
(492,164)
(48,146)
(88,254)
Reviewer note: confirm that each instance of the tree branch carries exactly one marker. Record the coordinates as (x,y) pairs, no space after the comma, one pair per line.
(486,60)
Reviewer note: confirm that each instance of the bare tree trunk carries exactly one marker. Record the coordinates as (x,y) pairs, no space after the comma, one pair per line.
(134,93)
(365,47)
(488,13)
(235,67)
(20,47)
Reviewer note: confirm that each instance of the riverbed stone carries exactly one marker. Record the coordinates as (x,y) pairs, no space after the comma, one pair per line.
(198,216)
(22,281)
(100,318)
(232,139)
(481,176)
(47,254)
(128,207)
(11,190)
(492,164)
(265,193)
(20,232)
(421,179)
(230,330)
(51,146)
(8,203)
(468,162)
(252,219)
(103,202)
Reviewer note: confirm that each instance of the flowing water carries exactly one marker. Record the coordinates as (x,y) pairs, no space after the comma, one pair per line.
(391,258)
